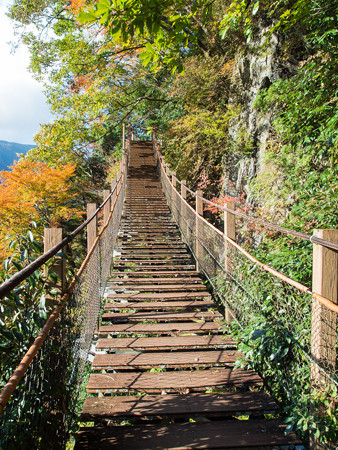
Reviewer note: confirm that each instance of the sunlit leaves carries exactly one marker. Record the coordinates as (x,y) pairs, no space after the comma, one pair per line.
(169,27)
(34,191)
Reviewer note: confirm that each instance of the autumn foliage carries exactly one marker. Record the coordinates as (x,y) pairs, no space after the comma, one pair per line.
(33,191)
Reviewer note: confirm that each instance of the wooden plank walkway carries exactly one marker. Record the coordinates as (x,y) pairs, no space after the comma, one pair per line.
(163,374)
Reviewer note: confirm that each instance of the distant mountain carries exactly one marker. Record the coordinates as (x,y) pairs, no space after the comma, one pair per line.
(8,151)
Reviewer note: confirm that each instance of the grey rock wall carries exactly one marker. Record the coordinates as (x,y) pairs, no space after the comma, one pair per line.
(256,68)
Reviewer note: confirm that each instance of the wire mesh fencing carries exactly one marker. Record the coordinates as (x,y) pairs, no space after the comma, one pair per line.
(44,408)
(288,336)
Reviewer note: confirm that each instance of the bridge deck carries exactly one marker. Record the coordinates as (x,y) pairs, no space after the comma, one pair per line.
(160,339)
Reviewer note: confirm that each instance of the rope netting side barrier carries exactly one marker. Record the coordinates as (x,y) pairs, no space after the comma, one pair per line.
(288,333)
(43,409)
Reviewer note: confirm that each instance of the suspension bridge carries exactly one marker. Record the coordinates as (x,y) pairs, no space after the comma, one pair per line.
(162,369)
(171,323)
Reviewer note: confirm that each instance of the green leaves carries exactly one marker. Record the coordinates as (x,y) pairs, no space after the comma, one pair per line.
(85,17)
(170,27)
(23,311)
(257,334)
(100,12)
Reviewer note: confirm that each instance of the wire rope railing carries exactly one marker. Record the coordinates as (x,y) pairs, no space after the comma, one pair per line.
(290,329)
(39,403)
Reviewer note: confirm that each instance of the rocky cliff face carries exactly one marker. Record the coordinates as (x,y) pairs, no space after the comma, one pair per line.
(253,70)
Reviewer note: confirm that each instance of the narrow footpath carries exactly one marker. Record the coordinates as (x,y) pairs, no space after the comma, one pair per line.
(163,376)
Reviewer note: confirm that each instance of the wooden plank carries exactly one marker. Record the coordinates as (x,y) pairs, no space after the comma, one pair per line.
(153,251)
(147,221)
(159,287)
(158,328)
(176,405)
(146,229)
(124,247)
(134,207)
(161,236)
(146,225)
(152,244)
(150,261)
(160,295)
(144,203)
(153,266)
(176,381)
(135,213)
(164,257)
(154,274)
(143,233)
(232,434)
(135,239)
(167,342)
(165,360)
(162,316)
(154,255)
(162,265)
(140,225)
(127,282)
(153,305)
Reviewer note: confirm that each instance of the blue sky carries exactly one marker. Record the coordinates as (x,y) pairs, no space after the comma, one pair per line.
(22,103)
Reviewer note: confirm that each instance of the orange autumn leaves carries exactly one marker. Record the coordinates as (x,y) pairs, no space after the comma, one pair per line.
(76,6)
(34,191)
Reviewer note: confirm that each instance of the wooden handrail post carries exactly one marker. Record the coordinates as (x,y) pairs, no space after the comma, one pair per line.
(123,136)
(184,227)
(118,173)
(120,167)
(113,197)
(173,191)
(324,322)
(199,228)
(167,170)
(107,207)
(52,237)
(173,179)
(92,226)
(230,232)
(184,189)
(56,360)
(199,202)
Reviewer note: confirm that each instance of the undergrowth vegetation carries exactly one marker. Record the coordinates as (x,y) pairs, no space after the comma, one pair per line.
(272,322)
